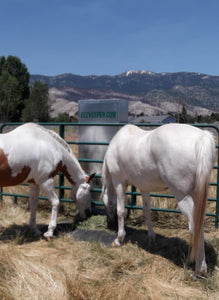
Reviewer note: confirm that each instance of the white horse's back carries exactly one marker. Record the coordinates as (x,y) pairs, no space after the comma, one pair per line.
(150,159)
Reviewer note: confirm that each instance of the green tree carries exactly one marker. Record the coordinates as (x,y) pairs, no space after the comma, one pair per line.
(63,117)
(37,107)
(9,97)
(14,89)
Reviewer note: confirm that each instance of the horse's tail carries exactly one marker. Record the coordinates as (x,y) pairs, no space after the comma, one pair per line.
(205,156)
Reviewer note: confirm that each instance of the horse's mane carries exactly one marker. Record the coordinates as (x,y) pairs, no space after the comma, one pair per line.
(58,139)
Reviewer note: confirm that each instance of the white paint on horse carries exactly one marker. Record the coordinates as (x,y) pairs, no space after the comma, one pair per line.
(31,153)
(175,156)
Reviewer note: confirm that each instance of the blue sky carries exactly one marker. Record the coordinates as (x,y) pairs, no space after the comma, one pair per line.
(109,37)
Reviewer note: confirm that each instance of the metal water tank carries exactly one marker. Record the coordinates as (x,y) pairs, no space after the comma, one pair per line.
(98,111)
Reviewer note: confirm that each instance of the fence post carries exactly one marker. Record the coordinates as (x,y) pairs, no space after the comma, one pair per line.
(61,176)
(133,196)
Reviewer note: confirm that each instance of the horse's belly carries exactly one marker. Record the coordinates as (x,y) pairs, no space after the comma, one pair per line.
(148,183)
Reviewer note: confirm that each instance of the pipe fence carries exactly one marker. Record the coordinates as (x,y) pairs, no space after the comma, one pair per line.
(63,130)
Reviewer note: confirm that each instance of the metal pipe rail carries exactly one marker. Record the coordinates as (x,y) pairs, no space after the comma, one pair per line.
(61,187)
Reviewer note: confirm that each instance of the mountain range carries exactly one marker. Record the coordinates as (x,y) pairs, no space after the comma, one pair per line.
(148,93)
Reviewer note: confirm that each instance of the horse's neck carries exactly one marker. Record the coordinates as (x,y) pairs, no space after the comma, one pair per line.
(72,169)
(70,165)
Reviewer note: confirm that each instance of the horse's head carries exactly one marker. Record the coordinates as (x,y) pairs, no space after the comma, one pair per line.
(112,218)
(83,197)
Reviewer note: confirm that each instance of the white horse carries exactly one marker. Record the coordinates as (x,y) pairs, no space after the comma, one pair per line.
(175,156)
(31,153)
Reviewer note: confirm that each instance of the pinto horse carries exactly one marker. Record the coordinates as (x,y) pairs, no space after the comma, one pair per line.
(31,153)
(175,156)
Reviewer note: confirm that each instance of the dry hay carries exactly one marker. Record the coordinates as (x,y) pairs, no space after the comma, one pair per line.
(65,268)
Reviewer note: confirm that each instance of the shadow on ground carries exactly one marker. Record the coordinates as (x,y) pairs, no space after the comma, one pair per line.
(24,234)
(172,248)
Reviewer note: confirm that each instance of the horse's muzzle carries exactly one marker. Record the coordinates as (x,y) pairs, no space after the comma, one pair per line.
(87,213)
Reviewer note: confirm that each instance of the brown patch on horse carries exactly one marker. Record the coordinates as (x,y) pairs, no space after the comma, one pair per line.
(57,169)
(66,173)
(62,168)
(6,177)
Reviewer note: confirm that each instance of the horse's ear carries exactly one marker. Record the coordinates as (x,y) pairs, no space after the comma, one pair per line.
(89,178)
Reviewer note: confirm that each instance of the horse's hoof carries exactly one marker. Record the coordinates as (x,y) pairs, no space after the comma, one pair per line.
(195,277)
(151,243)
(48,238)
(116,244)
(198,276)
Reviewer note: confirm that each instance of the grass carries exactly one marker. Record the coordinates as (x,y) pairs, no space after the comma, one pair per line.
(65,268)
(70,269)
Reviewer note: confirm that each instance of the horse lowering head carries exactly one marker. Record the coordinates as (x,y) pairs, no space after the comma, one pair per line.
(110,209)
(112,218)
(83,197)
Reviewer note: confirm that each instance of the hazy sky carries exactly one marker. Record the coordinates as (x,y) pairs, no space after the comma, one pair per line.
(109,37)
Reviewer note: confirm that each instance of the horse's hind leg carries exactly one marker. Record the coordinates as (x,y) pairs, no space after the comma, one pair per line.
(33,201)
(147,215)
(49,190)
(120,191)
(186,205)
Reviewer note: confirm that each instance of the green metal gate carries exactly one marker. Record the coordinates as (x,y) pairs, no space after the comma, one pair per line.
(132,193)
